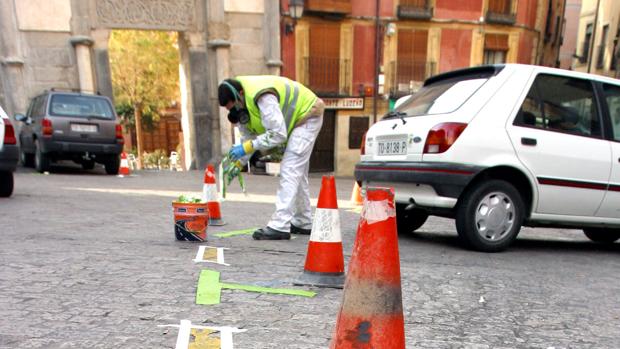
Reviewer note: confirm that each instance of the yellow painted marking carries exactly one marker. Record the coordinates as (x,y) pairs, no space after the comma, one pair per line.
(204,339)
(210,254)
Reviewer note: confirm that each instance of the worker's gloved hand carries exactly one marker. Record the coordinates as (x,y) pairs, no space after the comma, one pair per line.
(240,150)
(232,170)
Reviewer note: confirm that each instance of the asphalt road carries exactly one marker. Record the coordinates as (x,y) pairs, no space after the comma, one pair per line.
(90,261)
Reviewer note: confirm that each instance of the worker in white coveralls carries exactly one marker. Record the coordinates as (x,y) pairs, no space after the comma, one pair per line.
(273,111)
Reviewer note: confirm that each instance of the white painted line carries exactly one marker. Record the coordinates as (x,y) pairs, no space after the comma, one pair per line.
(226,334)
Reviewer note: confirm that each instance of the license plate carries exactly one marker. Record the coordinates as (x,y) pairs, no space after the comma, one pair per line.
(83,128)
(392,147)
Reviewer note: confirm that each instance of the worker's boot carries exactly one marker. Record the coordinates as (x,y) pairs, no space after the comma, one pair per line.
(268,233)
(302,231)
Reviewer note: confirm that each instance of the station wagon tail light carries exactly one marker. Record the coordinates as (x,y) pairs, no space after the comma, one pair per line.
(46,127)
(9,134)
(441,137)
(119,134)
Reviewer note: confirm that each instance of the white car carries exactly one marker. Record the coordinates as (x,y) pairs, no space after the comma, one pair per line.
(499,147)
(8,154)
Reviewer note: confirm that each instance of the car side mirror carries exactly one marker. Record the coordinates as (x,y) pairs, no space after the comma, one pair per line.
(23,118)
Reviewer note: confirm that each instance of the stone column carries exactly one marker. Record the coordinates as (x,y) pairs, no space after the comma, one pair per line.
(103,76)
(199,127)
(11,61)
(271,34)
(219,45)
(82,46)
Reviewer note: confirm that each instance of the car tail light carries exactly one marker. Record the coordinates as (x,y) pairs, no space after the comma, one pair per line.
(363,146)
(9,134)
(46,127)
(441,137)
(119,134)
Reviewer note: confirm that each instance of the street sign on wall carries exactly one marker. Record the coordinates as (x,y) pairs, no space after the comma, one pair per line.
(343,103)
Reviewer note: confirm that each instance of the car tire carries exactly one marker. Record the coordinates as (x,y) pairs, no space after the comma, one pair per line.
(41,160)
(6,184)
(408,221)
(88,164)
(489,216)
(112,165)
(602,235)
(27,160)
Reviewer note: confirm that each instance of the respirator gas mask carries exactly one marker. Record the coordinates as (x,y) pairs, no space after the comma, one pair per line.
(237,114)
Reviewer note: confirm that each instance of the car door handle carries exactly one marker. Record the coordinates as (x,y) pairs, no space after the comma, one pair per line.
(528,141)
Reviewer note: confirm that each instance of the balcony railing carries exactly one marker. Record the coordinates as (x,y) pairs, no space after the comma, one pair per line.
(415,9)
(327,76)
(407,77)
(499,12)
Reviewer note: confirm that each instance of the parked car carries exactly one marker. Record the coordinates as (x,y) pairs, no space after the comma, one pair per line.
(62,125)
(8,154)
(501,147)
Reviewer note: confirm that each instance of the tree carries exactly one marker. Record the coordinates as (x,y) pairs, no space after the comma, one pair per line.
(145,75)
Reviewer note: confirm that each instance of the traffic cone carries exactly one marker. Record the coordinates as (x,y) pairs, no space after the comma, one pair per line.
(209,195)
(324,261)
(371,312)
(356,195)
(124,169)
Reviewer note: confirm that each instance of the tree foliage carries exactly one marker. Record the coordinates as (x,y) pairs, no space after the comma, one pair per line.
(145,75)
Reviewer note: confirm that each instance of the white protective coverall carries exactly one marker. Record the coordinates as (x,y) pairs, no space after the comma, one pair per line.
(293,197)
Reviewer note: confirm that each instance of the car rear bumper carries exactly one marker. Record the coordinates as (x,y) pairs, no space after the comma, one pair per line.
(447,179)
(54,146)
(9,157)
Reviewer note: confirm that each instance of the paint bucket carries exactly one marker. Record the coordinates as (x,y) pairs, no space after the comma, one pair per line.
(190,221)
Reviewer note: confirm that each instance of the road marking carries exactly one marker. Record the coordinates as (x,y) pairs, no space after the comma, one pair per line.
(185,327)
(210,254)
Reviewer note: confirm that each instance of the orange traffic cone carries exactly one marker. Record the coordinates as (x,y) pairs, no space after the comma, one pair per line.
(356,195)
(209,195)
(124,169)
(324,261)
(371,313)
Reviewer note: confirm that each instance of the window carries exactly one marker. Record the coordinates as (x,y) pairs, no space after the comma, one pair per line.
(495,48)
(358,125)
(561,104)
(38,109)
(615,53)
(323,65)
(585,51)
(612,97)
(600,59)
(74,105)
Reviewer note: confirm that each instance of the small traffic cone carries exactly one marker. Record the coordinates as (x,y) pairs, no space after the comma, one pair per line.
(124,169)
(209,195)
(371,313)
(356,195)
(324,261)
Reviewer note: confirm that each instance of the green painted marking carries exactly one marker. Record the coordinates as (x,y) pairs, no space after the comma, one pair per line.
(210,288)
(236,232)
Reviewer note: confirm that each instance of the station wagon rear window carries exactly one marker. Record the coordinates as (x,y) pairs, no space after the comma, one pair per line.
(442,96)
(81,106)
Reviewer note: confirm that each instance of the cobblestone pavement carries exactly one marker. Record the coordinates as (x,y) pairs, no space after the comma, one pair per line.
(90,261)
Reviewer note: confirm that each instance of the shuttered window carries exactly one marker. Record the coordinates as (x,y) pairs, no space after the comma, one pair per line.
(411,53)
(324,61)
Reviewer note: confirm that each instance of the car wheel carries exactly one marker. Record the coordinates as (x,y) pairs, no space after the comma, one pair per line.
(112,165)
(6,184)
(41,160)
(489,216)
(408,221)
(602,235)
(27,160)
(88,164)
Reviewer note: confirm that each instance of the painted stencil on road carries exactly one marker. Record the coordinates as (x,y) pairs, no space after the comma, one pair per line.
(194,336)
(210,254)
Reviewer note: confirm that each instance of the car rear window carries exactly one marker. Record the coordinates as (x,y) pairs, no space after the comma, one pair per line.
(80,106)
(444,94)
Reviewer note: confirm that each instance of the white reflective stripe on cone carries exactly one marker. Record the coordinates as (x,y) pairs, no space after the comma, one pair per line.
(326,226)
(209,192)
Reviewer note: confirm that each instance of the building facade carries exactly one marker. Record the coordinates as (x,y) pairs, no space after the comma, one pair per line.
(48,44)
(360,56)
(571,28)
(597,38)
